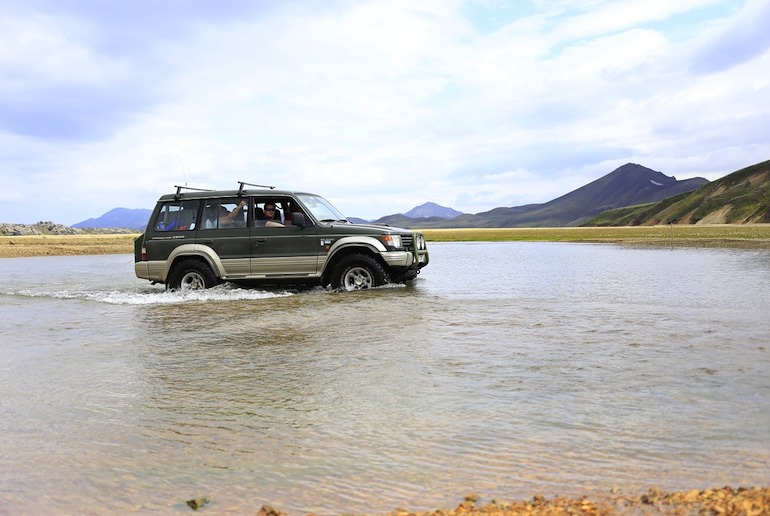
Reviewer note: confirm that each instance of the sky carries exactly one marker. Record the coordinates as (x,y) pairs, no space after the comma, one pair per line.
(379,106)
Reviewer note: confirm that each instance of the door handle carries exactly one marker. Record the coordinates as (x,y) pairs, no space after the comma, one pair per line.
(260,240)
(208,241)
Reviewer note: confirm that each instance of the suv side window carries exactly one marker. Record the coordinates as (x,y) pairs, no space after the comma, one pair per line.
(177,216)
(261,214)
(280,216)
(225,213)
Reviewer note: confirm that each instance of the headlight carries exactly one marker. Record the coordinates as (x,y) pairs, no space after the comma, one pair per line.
(393,241)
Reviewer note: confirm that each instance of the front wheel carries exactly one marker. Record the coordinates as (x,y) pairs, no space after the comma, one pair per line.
(191,274)
(357,272)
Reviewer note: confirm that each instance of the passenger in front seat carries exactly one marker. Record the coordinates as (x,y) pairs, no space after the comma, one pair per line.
(271,216)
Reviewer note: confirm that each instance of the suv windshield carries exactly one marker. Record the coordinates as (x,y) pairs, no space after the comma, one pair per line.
(320,208)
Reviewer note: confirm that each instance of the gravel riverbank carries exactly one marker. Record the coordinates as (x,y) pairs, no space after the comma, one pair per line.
(720,501)
(726,500)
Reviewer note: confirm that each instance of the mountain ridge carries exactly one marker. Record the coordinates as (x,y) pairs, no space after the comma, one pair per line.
(742,197)
(130,218)
(627,185)
(431,209)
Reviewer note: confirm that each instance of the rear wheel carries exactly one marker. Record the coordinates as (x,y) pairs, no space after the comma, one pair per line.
(191,274)
(358,272)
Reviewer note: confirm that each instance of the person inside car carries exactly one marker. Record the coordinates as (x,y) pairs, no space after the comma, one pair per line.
(270,216)
(226,217)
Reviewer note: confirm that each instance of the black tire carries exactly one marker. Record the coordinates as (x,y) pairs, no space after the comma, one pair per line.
(408,276)
(191,274)
(357,272)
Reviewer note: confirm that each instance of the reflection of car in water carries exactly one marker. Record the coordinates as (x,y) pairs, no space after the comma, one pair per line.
(199,238)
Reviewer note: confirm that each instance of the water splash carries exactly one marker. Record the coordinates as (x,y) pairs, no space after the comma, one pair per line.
(150,296)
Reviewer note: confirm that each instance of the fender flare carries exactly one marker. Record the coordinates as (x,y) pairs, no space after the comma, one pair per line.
(372,243)
(195,250)
(339,247)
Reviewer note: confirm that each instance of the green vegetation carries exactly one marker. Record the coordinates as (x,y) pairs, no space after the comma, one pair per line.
(742,197)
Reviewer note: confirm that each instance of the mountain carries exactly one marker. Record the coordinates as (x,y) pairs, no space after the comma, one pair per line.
(428,213)
(625,186)
(119,218)
(430,209)
(628,185)
(742,197)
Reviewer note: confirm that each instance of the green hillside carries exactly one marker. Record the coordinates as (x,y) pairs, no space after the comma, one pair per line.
(742,197)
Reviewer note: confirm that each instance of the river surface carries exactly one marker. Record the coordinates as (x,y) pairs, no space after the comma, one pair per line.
(505,369)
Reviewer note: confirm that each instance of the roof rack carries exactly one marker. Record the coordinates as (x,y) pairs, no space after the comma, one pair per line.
(179,190)
(244,183)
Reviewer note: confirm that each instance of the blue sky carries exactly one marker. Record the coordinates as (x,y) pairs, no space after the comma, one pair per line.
(377,105)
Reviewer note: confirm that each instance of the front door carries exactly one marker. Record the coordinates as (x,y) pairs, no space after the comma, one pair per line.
(280,249)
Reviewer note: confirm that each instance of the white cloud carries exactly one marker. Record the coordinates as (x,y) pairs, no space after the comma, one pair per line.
(380,106)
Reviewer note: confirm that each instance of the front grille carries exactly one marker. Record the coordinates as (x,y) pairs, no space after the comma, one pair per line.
(407,242)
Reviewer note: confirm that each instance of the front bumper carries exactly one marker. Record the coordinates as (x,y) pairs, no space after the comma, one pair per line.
(406,259)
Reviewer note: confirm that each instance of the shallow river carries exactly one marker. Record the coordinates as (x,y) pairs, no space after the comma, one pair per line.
(506,369)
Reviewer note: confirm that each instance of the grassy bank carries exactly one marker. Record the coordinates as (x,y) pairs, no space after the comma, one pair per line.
(754,236)
(745,236)
(64,245)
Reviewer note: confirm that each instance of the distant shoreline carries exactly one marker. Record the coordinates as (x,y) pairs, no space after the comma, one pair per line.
(746,236)
(741,236)
(26,246)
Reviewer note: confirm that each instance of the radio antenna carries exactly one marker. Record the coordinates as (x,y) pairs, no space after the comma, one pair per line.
(184,170)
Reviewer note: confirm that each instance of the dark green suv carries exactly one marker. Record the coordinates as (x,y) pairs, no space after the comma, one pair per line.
(256,234)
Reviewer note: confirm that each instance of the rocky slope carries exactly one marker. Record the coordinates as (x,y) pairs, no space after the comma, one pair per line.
(50,228)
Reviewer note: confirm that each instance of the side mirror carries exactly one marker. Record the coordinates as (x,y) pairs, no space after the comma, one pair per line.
(298,219)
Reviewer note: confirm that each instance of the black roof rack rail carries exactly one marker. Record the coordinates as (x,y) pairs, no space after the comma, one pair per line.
(244,183)
(179,190)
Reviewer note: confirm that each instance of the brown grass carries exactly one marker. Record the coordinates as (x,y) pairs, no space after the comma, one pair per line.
(63,245)
(754,236)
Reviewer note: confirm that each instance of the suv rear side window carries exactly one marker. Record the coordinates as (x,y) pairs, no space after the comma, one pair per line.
(225,214)
(177,216)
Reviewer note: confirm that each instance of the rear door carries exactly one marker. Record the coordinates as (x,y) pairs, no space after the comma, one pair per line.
(223,228)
